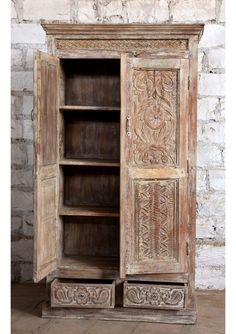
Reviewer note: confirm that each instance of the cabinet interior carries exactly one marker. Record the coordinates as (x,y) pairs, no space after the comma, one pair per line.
(90,164)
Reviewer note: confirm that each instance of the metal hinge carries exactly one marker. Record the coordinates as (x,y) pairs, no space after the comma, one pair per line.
(187,248)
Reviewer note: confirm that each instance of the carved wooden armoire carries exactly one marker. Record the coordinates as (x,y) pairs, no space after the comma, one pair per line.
(115,154)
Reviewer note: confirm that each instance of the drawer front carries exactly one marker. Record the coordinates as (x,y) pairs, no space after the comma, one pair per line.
(82,295)
(154,296)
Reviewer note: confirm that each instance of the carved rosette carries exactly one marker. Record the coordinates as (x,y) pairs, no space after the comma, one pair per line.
(83,296)
(155,117)
(153,296)
(155,217)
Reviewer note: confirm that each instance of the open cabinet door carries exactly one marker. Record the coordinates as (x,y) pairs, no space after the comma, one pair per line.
(154,172)
(46,174)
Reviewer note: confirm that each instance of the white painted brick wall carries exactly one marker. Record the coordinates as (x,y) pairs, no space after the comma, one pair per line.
(213,35)
(150,12)
(48,10)
(27,35)
(211,84)
(193,10)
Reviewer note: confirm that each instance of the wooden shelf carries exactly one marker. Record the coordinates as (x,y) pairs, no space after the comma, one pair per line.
(89,108)
(89,162)
(88,267)
(89,211)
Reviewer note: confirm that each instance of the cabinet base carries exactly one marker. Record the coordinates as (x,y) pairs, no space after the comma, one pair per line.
(122,314)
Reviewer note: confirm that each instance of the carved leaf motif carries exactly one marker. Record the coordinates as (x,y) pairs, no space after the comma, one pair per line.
(155,117)
(64,295)
(136,295)
(100,296)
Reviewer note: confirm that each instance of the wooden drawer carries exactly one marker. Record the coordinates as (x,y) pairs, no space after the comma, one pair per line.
(151,295)
(83,294)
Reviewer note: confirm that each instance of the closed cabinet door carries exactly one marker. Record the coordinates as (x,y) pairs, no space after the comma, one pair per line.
(154,189)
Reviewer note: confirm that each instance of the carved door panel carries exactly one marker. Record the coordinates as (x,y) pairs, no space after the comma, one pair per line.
(45,200)
(155,174)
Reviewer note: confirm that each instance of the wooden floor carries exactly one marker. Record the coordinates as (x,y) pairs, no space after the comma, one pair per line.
(27,302)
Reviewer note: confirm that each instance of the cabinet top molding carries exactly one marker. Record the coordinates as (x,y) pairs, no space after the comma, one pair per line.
(119,31)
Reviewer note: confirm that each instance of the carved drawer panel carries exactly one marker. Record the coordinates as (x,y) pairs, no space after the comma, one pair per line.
(82,294)
(158,296)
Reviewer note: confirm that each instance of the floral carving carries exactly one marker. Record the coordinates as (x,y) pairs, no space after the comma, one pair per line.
(154,296)
(155,117)
(81,296)
(154,218)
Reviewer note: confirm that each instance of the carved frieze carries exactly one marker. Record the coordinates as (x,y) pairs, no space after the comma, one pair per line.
(121,45)
(153,296)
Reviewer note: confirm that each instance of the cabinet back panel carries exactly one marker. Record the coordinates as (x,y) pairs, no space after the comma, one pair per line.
(92,135)
(92,82)
(91,236)
(91,186)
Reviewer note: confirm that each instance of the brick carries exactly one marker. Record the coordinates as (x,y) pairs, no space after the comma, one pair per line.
(211,109)
(26,272)
(21,200)
(213,35)
(29,61)
(210,267)
(209,155)
(211,132)
(200,59)
(27,33)
(27,105)
(216,59)
(16,58)
(86,11)
(192,10)
(222,12)
(48,10)
(22,250)
(217,179)
(205,228)
(22,177)
(30,154)
(21,128)
(13,10)
(201,180)
(28,225)
(110,11)
(16,223)
(19,153)
(16,106)
(150,12)
(220,228)
(211,84)
(211,204)
(22,81)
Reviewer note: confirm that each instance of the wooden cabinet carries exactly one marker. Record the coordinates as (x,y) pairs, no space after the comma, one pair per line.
(115,154)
